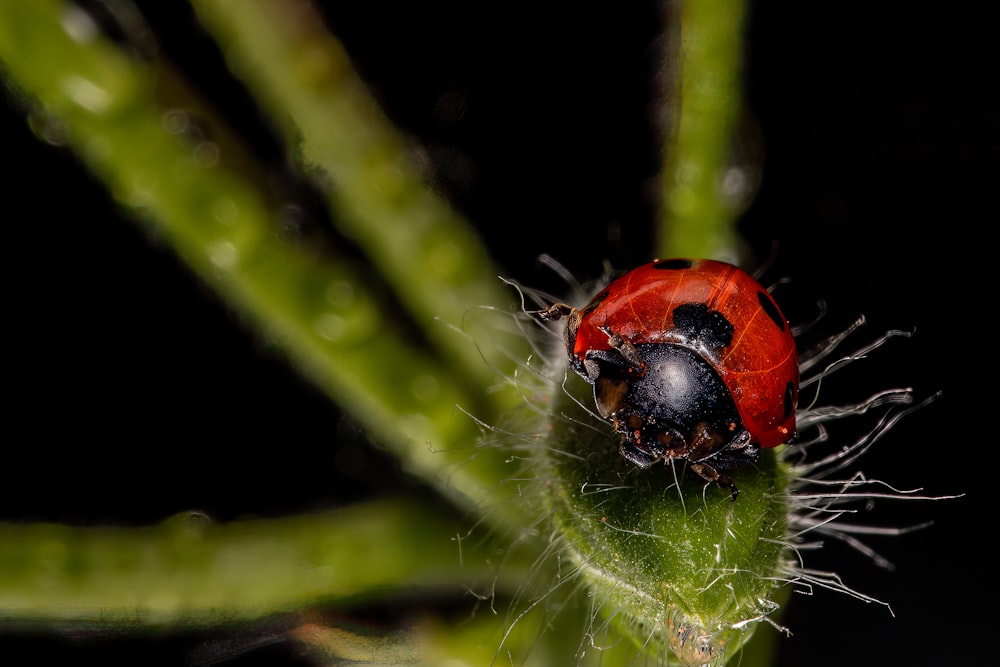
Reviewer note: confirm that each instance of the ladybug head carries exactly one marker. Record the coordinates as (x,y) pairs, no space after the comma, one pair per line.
(678,408)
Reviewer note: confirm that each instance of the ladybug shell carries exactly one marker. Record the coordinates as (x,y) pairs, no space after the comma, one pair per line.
(680,301)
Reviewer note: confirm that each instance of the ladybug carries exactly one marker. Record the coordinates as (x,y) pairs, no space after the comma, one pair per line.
(690,359)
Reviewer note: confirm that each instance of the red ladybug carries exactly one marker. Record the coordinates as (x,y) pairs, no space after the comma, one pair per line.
(690,359)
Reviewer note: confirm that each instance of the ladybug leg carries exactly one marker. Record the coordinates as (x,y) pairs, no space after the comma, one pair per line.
(710,474)
(705,442)
(555,312)
(741,451)
(638,455)
(725,482)
(637,365)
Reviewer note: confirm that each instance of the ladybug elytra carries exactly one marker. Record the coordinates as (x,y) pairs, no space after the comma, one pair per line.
(690,359)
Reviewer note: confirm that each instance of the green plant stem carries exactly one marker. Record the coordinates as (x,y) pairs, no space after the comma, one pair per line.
(378,192)
(696,218)
(315,306)
(190,571)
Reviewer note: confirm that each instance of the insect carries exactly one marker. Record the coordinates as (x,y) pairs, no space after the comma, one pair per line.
(690,359)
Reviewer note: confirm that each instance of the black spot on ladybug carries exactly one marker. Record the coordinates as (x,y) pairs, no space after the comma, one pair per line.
(699,323)
(595,302)
(789,404)
(771,308)
(673,264)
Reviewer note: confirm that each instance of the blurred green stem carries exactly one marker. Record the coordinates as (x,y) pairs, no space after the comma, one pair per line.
(190,571)
(317,306)
(380,196)
(703,109)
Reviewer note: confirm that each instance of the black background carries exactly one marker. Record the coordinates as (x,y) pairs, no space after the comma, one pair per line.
(132,393)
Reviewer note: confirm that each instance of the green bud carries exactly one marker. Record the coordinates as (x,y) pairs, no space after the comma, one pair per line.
(673,561)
